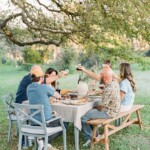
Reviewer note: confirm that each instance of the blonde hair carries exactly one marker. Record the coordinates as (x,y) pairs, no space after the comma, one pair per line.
(125,73)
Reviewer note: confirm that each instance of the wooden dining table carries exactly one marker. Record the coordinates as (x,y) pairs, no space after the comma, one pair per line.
(72,113)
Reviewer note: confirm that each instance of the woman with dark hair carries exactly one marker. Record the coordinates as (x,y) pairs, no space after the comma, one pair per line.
(127,87)
(50,72)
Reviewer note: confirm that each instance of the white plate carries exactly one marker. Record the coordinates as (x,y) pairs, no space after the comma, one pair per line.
(73,102)
(94,97)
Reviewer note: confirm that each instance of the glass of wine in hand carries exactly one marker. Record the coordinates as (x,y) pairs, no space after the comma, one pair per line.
(78,67)
(57,87)
(66,71)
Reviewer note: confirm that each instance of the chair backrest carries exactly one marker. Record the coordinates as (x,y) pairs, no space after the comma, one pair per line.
(9,103)
(26,117)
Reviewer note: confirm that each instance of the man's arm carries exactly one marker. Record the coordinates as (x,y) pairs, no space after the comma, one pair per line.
(91,74)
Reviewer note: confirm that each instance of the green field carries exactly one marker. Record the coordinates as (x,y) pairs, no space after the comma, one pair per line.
(127,139)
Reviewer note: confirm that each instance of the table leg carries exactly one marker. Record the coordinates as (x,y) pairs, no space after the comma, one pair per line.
(76,133)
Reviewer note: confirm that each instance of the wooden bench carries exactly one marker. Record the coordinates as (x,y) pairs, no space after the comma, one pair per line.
(110,128)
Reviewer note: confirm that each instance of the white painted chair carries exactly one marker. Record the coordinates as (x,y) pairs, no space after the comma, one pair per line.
(9,106)
(28,121)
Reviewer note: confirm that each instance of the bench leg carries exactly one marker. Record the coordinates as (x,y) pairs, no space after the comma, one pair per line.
(106,137)
(93,137)
(139,119)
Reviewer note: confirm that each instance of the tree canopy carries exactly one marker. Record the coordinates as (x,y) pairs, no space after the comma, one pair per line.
(81,21)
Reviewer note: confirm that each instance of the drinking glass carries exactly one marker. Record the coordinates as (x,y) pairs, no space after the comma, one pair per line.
(66,71)
(77,67)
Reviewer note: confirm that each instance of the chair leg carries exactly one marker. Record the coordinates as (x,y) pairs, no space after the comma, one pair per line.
(64,139)
(26,141)
(45,143)
(20,141)
(17,129)
(9,130)
(35,143)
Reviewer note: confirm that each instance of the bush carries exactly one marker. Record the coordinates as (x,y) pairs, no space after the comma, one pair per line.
(27,67)
(89,60)
(66,60)
(147,53)
(4,60)
(32,56)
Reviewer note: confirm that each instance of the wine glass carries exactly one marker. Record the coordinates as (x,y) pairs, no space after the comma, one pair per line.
(78,66)
(66,71)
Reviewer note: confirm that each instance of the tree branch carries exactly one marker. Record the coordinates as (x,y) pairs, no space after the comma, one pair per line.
(4,22)
(12,39)
(44,29)
(57,11)
(65,10)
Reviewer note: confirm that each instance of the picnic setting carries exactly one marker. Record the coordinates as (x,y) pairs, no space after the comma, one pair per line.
(74,75)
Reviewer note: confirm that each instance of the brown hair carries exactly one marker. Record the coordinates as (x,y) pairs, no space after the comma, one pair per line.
(125,73)
(34,78)
(108,62)
(49,71)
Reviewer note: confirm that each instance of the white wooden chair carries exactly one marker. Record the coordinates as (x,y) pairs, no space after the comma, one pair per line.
(9,106)
(30,126)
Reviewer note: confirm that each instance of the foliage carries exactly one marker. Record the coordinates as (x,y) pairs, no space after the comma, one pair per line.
(3,51)
(57,21)
(144,63)
(89,60)
(26,66)
(147,53)
(35,56)
(32,56)
(113,47)
(44,54)
(66,59)
(100,27)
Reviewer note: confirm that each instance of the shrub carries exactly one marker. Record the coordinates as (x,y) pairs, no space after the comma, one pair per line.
(89,60)
(32,56)
(66,60)
(27,66)
(147,53)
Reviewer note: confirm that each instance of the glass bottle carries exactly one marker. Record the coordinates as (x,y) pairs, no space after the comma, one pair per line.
(58,87)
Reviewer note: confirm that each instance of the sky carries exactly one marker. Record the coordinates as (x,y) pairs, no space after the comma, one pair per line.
(5,3)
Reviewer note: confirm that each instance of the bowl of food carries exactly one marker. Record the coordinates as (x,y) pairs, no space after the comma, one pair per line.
(64,91)
(73,95)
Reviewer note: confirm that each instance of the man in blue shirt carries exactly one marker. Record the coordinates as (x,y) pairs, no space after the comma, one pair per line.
(21,95)
(39,93)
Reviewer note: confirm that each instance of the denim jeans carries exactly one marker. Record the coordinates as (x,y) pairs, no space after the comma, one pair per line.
(91,114)
(55,123)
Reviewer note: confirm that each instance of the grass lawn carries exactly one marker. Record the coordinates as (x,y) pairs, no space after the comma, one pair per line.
(127,139)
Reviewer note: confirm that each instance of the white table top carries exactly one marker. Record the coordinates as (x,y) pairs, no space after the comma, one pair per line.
(73,113)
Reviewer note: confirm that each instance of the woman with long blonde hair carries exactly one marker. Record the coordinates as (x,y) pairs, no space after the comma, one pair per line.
(127,87)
